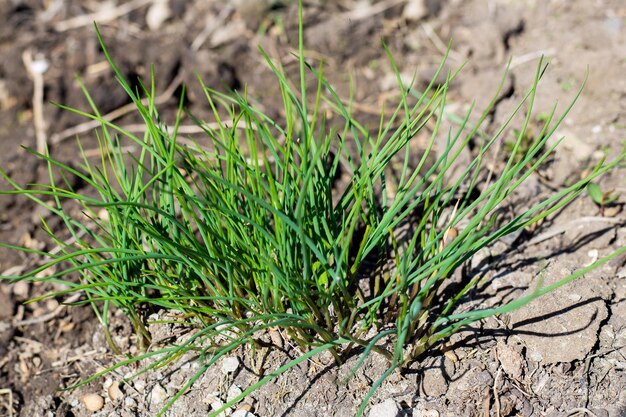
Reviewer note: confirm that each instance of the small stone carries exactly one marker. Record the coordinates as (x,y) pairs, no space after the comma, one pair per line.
(575,297)
(593,254)
(245,407)
(481,260)
(230,364)
(415,10)
(511,360)
(157,14)
(434,383)
(157,395)
(51,304)
(387,408)
(612,211)
(216,404)
(36,361)
(233,392)
(139,385)
(103,214)
(115,393)
(21,289)
(451,355)
(93,402)
(276,338)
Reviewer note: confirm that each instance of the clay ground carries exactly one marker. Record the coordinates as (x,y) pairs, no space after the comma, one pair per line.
(563,355)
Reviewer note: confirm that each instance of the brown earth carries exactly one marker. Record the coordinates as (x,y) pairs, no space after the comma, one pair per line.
(563,355)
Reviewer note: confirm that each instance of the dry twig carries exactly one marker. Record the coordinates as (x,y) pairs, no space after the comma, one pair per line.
(581,410)
(496,393)
(50,315)
(102,16)
(36,68)
(531,56)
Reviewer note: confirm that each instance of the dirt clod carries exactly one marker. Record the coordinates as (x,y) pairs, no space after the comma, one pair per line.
(92,402)
(387,408)
(230,364)
(511,360)
(114,391)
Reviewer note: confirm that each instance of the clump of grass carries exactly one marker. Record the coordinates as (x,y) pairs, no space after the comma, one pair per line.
(244,241)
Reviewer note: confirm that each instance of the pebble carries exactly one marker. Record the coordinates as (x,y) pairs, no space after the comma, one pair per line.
(387,408)
(216,404)
(103,214)
(245,407)
(115,393)
(21,289)
(93,402)
(276,338)
(157,14)
(434,383)
(612,211)
(230,364)
(139,385)
(415,10)
(511,360)
(157,395)
(232,393)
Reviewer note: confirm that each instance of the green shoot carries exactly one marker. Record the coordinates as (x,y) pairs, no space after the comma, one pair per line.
(601,198)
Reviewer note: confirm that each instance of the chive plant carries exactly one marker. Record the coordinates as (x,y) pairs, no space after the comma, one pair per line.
(247,229)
